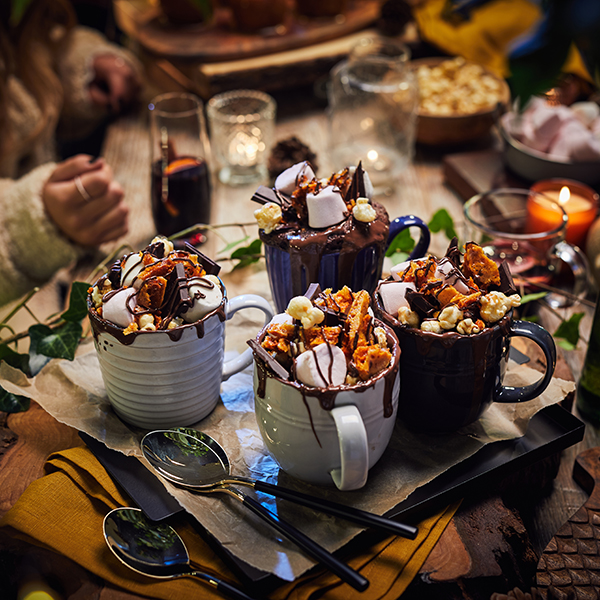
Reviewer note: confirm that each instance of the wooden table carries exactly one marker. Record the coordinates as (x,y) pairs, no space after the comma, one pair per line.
(462,559)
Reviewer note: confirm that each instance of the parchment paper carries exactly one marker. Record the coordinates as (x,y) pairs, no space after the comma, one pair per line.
(73,392)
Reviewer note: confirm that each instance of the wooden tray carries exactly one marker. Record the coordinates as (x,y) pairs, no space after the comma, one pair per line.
(217,41)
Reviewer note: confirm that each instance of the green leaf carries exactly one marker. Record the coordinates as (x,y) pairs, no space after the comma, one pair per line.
(403,242)
(14,359)
(60,342)
(77,302)
(18,10)
(530,318)
(568,331)
(531,297)
(232,245)
(399,257)
(247,255)
(442,221)
(12,403)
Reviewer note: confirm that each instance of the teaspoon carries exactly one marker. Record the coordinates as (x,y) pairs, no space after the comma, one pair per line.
(195,460)
(155,549)
(169,450)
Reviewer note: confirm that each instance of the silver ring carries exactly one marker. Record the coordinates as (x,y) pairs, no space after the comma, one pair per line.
(81,189)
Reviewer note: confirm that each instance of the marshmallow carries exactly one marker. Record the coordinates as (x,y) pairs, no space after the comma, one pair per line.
(282,319)
(574,142)
(446,271)
(133,265)
(116,309)
(398,269)
(331,366)
(393,295)
(586,112)
(288,180)
(205,298)
(326,208)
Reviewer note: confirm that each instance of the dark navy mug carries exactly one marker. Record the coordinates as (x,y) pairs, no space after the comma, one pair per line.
(291,274)
(448,380)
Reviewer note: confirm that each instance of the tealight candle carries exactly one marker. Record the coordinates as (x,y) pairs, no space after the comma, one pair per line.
(579,201)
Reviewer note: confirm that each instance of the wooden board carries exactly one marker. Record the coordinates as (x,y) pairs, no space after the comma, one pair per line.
(218,41)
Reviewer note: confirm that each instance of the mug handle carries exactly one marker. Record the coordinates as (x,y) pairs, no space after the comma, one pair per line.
(577,261)
(354,449)
(401,223)
(545,341)
(238,363)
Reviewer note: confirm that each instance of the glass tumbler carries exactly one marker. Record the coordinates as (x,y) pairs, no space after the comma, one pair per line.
(181,188)
(372,111)
(242,129)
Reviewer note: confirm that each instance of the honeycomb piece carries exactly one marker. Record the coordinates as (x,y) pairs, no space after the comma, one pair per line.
(358,323)
(319,335)
(152,293)
(477,265)
(370,360)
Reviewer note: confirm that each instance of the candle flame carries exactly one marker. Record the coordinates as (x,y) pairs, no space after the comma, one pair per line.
(564,195)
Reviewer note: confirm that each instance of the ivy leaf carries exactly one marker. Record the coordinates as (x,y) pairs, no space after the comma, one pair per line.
(442,221)
(14,359)
(399,257)
(568,332)
(77,310)
(531,297)
(403,242)
(247,255)
(12,403)
(60,342)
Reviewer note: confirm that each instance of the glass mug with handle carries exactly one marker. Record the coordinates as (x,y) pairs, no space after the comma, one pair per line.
(501,221)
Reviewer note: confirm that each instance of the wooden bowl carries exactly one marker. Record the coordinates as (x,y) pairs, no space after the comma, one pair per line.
(436,130)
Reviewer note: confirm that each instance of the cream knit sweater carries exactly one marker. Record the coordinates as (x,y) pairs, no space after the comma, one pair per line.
(32,248)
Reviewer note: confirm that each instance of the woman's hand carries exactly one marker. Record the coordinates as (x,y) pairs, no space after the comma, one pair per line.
(89,211)
(115,85)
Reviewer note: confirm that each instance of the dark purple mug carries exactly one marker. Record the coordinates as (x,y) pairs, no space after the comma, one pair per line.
(447,380)
(334,257)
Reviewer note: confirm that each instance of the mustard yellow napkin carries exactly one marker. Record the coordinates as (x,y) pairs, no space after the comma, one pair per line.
(485,38)
(64,510)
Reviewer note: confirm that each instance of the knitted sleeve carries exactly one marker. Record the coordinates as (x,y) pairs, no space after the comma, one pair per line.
(32,249)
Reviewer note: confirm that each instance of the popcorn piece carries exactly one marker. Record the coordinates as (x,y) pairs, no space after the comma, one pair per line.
(467,327)
(408,317)
(449,317)
(495,305)
(288,180)
(207,296)
(146,322)
(323,366)
(118,309)
(325,208)
(302,309)
(268,216)
(380,336)
(393,295)
(363,211)
(431,325)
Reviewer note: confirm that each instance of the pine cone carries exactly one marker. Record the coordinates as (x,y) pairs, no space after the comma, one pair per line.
(287,153)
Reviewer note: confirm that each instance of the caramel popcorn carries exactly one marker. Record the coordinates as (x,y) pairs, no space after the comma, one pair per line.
(495,305)
(301,309)
(408,317)
(268,216)
(432,326)
(364,211)
(450,316)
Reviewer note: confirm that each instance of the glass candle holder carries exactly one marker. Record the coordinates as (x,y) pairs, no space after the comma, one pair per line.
(242,129)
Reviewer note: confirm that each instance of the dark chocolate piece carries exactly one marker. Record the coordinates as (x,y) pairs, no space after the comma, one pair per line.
(420,303)
(507,285)
(314,289)
(332,318)
(264,194)
(210,266)
(453,253)
(357,185)
(182,301)
(269,361)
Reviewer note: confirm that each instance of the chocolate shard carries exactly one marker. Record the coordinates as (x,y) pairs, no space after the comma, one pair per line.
(420,303)
(210,266)
(269,361)
(332,318)
(357,185)
(182,301)
(507,285)
(264,194)
(314,289)
(453,253)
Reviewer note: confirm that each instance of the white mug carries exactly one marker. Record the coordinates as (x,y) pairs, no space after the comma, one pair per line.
(170,378)
(323,445)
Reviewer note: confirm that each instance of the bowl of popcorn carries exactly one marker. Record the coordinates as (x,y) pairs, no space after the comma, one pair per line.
(459,101)
(454,320)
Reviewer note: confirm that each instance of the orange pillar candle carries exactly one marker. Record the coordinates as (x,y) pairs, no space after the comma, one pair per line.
(578,200)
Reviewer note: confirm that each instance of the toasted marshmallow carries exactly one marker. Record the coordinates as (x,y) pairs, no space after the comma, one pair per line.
(288,180)
(207,296)
(326,208)
(133,265)
(331,363)
(393,295)
(116,309)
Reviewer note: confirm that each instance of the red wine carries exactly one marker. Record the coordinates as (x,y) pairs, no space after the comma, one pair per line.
(181,195)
